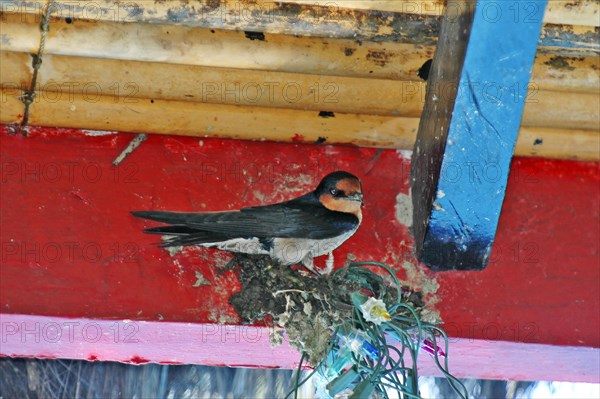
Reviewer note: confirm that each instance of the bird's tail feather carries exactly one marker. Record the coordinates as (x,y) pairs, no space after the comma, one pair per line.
(175,230)
(199,238)
(177,233)
(162,216)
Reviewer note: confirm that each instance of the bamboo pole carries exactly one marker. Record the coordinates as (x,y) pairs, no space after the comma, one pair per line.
(256,16)
(17,70)
(582,12)
(133,79)
(216,120)
(253,123)
(370,80)
(330,21)
(335,57)
(560,73)
(141,80)
(422,7)
(566,110)
(576,144)
(218,48)
(11,107)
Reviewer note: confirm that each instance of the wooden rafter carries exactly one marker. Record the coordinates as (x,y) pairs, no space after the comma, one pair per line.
(332,75)
(456,211)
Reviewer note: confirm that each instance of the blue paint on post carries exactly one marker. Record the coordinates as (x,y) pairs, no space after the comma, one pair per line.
(481,135)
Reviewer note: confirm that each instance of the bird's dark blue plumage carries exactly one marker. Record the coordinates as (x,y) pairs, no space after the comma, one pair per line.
(326,216)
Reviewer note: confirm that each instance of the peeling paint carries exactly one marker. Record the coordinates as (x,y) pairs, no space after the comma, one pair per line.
(417,279)
(97,133)
(200,280)
(326,114)
(378,57)
(404,209)
(172,250)
(255,35)
(560,62)
(180,269)
(405,154)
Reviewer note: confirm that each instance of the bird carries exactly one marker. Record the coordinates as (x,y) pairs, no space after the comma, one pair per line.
(290,232)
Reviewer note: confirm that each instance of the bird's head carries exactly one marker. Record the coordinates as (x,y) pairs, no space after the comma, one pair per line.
(342,192)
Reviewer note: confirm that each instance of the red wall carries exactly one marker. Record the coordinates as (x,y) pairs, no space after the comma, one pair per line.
(70,248)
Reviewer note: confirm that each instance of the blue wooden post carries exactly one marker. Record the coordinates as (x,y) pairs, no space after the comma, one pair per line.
(476,93)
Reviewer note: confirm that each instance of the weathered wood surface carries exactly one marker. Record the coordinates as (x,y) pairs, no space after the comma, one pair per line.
(212,120)
(280,53)
(68,76)
(459,126)
(306,74)
(331,20)
(259,124)
(217,48)
(199,120)
(582,12)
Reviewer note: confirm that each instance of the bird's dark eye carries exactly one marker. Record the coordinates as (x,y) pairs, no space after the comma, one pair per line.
(333,191)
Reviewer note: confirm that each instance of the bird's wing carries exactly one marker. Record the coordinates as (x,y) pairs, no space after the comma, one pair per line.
(263,222)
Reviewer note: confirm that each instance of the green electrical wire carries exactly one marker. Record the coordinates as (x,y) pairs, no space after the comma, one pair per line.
(389,370)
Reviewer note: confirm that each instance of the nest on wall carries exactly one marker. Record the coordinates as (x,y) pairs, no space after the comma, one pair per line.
(307,306)
(360,330)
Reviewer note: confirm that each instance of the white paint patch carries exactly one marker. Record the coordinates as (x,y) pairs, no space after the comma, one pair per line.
(405,154)
(331,151)
(179,267)
(404,209)
(416,278)
(200,280)
(97,133)
(441,194)
(172,250)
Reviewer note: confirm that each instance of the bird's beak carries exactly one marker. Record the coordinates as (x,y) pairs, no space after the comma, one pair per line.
(357,197)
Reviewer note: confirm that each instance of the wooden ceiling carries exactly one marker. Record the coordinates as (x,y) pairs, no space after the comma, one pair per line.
(340,72)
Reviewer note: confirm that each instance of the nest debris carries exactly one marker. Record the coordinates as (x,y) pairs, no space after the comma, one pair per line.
(307,306)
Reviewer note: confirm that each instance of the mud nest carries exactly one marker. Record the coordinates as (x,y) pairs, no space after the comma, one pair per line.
(307,306)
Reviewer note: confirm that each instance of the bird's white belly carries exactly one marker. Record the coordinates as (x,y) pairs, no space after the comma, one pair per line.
(290,251)
(251,246)
(287,251)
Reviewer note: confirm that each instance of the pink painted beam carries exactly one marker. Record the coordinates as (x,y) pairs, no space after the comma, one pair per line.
(141,342)
(138,342)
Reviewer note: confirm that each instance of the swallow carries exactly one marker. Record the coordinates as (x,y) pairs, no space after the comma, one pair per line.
(290,232)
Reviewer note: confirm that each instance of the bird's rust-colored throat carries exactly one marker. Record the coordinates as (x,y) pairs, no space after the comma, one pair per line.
(350,187)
